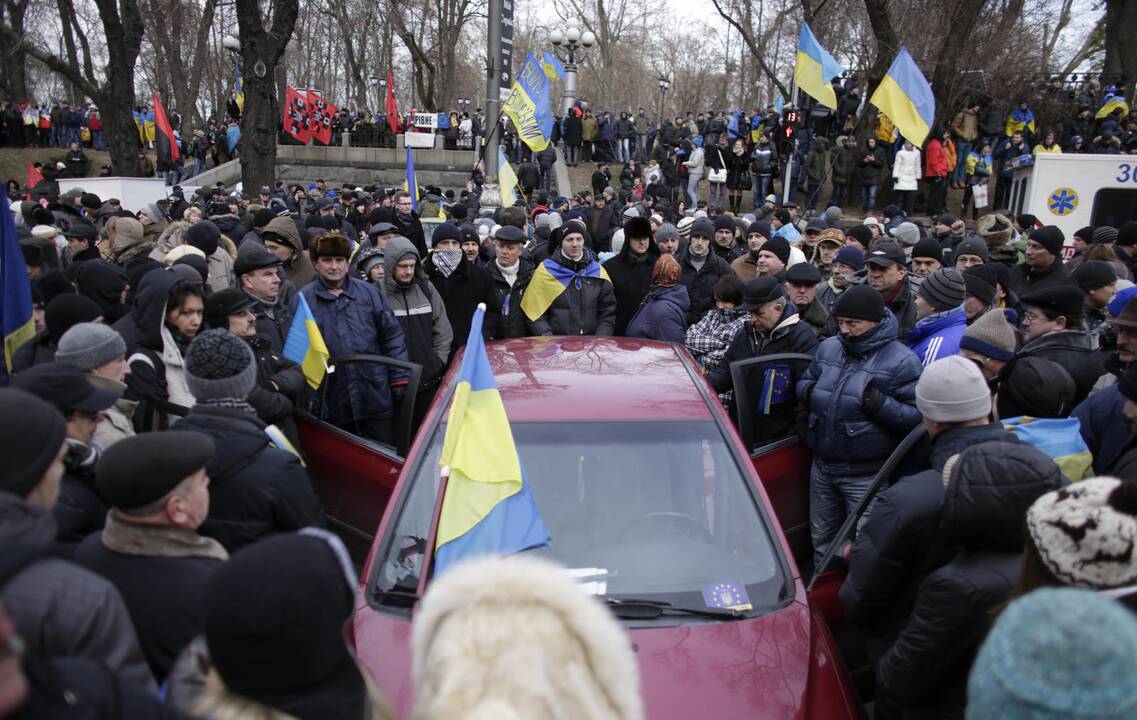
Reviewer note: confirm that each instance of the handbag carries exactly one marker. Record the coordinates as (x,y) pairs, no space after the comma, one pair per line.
(718,175)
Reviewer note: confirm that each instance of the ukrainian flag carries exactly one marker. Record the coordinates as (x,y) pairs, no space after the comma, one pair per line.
(905,96)
(1018,121)
(1060,438)
(529,105)
(549,280)
(815,68)
(506,179)
(305,345)
(1113,102)
(412,180)
(487,507)
(15,291)
(552,66)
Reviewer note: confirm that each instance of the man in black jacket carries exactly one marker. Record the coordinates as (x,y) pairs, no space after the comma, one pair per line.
(408,223)
(701,269)
(460,283)
(158,489)
(888,275)
(631,270)
(1043,266)
(1052,329)
(510,274)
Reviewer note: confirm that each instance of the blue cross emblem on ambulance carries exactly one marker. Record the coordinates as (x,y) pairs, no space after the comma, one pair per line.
(1063,201)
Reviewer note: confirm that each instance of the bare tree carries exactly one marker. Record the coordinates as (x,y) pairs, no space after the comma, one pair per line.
(13,59)
(180,59)
(1120,48)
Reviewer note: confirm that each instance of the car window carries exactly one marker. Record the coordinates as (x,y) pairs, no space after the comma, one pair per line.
(656,510)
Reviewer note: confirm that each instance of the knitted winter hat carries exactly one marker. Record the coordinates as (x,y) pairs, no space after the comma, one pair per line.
(67,311)
(973,246)
(204,236)
(666,231)
(1086,534)
(906,233)
(990,335)
(220,365)
(850,256)
(928,248)
(1051,238)
(860,233)
(860,302)
(31,433)
(952,390)
(1035,387)
(90,345)
(979,288)
(760,227)
(702,228)
(944,289)
(1057,654)
(1127,234)
(684,226)
(832,216)
(1104,235)
(1094,274)
(780,247)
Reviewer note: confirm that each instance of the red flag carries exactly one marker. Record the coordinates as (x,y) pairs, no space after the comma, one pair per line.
(35,177)
(295,121)
(320,114)
(165,141)
(392,108)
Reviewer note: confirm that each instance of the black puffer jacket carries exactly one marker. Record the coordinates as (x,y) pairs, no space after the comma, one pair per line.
(900,543)
(1076,352)
(701,282)
(631,281)
(990,489)
(586,307)
(255,489)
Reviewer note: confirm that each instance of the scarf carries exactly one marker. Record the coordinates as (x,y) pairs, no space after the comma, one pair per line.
(122,536)
(509,274)
(666,272)
(446,261)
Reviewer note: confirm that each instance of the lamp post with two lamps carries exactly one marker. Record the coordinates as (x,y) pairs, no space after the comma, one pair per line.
(664,84)
(571,46)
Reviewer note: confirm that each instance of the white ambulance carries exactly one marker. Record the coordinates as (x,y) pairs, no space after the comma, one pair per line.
(1073,191)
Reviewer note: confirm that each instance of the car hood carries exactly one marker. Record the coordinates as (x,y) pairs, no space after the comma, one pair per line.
(754,668)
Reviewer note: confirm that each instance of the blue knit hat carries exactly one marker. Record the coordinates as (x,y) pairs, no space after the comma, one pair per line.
(1061,653)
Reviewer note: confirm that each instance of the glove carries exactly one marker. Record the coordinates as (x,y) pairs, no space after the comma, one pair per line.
(872,400)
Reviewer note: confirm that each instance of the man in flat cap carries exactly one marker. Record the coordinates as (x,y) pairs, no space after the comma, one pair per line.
(1052,329)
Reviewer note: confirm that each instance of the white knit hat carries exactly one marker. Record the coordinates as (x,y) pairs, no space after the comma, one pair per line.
(953,390)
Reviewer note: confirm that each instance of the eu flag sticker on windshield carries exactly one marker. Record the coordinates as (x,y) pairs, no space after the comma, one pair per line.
(728,595)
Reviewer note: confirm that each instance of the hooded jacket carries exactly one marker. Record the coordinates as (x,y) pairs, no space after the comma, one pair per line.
(983,509)
(845,438)
(298,269)
(255,489)
(420,311)
(220,261)
(662,315)
(586,307)
(631,281)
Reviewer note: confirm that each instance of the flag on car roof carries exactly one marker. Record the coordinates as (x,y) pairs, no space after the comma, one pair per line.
(15,291)
(549,280)
(305,346)
(487,507)
(815,68)
(905,96)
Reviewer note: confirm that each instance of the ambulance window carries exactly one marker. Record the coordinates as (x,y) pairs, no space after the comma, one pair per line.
(1114,206)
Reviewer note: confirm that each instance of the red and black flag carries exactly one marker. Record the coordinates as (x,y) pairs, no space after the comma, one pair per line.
(392,108)
(167,144)
(320,115)
(295,120)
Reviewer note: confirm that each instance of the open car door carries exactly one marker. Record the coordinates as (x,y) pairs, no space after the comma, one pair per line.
(782,463)
(352,475)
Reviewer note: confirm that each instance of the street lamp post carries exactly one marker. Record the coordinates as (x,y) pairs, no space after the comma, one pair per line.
(664,83)
(571,46)
(374,81)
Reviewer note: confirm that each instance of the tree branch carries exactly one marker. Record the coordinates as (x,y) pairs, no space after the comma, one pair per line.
(749,40)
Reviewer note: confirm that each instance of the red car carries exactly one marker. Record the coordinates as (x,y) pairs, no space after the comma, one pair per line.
(652,501)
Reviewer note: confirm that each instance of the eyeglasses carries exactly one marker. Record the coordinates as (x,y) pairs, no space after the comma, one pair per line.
(1029,317)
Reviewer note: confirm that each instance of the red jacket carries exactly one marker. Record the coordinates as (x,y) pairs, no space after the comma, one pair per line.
(935,161)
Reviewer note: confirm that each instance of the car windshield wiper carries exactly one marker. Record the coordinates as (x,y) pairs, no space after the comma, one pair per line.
(638,609)
(400,598)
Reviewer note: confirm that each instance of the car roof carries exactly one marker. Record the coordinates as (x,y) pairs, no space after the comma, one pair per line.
(596,378)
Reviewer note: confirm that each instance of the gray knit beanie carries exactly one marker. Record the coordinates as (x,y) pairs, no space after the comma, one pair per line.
(667,231)
(906,233)
(944,289)
(220,365)
(89,345)
(953,390)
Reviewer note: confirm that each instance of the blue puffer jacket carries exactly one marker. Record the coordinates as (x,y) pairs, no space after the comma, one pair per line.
(359,320)
(844,438)
(663,316)
(937,336)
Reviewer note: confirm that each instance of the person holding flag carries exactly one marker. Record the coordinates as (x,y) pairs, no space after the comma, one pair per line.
(570,293)
(352,317)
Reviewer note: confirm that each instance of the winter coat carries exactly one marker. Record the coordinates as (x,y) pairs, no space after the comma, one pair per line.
(573,129)
(781,415)
(631,281)
(586,307)
(157,369)
(602,225)
(745,266)
(870,169)
(421,313)
(161,573)
(1075,351)
(926,668)
(298,269)
(504,317)
(358,320)
(255,489)
(906,170)
(40,349)
(1103,424)
(1024,279)
(737,170)
(817,162)
(844,163)
(467,286)
(903,307)
(274,321)
(79,510)
(116,422)
(701,282)
(845,438)
(280,385)
(816,316)
(663,315)
(76,688)
(936,160)
(937,336)
(965,126)
(716,157)
(762,159)
(59,608)
(589,128)
(900,544)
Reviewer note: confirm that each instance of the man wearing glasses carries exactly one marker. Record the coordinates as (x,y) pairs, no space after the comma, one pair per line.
(410,226)
(1052,329)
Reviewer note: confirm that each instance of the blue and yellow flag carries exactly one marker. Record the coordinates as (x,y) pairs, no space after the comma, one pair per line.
(487,507)
(552,66)
(549,280)
(238,86)
(412,180)
(529,105)
(1060,438)
(1112,102)
(815,68)
(15,291)
(305,345)
(905,96)
(506,179)
(1018,121)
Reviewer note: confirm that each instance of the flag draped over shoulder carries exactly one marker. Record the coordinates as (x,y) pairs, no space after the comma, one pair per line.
(1112,102)
(320,114)
(305,346)
(412,179)
(15,291)
(165,141)
(295,120)
(815,68)
(487,507)
(529,105)
(506,179)
(549,280)
(1018,121)
(905,96)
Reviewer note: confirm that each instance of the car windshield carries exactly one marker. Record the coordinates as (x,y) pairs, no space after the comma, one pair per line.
(646,510)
